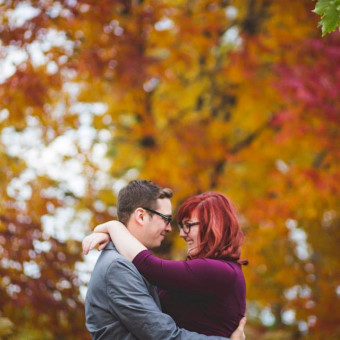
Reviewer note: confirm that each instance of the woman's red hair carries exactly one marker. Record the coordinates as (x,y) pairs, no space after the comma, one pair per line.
(220,234)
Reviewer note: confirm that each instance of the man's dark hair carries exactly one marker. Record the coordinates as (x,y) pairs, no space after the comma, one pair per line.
(139,193)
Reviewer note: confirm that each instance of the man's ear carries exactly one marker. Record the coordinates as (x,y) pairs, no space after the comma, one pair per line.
(139,216)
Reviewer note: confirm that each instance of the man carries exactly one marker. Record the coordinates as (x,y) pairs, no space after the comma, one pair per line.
(121,304)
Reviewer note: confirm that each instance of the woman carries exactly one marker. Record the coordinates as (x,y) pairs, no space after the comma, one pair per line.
(205,293)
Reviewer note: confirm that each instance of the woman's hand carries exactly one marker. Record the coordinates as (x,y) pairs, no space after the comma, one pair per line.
(95,239)
(126,244)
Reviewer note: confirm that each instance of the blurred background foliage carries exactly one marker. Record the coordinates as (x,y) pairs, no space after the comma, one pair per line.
(236,96)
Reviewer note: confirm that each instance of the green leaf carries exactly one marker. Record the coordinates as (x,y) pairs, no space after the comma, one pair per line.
(329,10)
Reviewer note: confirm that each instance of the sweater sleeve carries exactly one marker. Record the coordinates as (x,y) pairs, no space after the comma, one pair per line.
(206,276)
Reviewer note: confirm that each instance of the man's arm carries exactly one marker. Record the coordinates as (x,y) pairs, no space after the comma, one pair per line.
(131,302)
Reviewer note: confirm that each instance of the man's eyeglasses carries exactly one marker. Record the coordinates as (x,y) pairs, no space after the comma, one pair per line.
(186,226)
(166,218)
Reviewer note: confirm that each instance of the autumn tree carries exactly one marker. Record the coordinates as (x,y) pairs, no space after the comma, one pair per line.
(234,96)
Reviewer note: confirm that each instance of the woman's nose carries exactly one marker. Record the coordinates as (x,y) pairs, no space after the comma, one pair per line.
(182,233)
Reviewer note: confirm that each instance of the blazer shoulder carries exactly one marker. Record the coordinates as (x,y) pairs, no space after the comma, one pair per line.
(113,262)
(110,259)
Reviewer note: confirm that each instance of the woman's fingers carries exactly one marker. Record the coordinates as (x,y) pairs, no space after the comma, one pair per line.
(103,245)
(94,240)
(85,245)
(88,243)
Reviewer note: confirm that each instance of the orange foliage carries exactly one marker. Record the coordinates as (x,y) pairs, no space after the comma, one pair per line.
(235,96)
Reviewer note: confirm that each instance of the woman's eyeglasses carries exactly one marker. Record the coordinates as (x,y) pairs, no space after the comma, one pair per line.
(186,226)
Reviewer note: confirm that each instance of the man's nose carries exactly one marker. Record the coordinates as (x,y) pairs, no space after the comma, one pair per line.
(168,227)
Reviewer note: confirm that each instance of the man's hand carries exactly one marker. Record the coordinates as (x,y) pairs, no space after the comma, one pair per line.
(93,240)
(239,331)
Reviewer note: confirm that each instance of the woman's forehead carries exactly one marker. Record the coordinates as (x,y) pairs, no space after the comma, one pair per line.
(191,216)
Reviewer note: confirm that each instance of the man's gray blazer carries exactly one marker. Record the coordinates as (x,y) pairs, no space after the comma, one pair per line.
(121,305)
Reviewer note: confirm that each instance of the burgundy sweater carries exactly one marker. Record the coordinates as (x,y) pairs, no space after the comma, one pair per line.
(202,295)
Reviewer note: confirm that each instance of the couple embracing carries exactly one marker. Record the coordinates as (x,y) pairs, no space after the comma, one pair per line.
(133,294)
